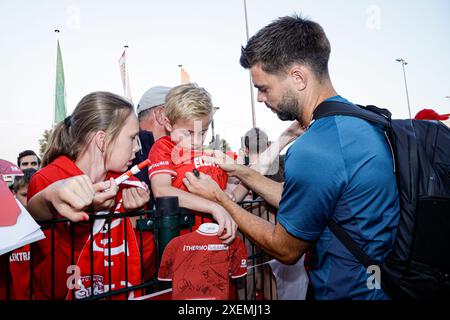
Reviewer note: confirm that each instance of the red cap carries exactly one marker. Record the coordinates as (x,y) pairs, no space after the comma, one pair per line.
(430,114)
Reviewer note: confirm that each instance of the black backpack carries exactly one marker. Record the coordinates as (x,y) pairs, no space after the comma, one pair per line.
(418,267)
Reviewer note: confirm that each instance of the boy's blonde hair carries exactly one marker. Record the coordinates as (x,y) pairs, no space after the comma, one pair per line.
(187,102)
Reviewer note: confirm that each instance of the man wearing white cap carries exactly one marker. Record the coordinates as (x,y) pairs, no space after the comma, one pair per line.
(150,111)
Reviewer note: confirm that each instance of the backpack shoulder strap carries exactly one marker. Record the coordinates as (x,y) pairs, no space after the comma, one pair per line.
(369,113)
(350,244)
(372,114)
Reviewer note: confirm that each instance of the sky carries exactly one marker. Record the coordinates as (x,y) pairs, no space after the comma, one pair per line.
(205,36)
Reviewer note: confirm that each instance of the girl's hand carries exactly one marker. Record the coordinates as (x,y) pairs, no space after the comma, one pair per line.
(105,195)
(70,197)
(135,198)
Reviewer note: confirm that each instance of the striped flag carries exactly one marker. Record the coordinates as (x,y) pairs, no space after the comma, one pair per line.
(60,89)
(124,76)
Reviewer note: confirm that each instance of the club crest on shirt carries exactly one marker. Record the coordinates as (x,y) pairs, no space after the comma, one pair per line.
(85,286)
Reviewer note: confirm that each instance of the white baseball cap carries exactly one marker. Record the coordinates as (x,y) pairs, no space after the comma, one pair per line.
(153,97)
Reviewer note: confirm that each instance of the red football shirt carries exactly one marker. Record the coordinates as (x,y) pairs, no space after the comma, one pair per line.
(19,268)
(200,265)
(3,276)
(62,168)
(166,157)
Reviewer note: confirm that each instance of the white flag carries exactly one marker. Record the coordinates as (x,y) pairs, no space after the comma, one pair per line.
(124,76)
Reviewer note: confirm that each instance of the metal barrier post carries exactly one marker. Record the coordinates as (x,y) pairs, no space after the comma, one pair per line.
(167,216)
(166,224)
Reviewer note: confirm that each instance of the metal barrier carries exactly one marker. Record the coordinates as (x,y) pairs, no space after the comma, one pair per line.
(164,223)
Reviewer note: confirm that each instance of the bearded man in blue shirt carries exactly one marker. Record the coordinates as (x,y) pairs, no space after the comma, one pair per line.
(340,169)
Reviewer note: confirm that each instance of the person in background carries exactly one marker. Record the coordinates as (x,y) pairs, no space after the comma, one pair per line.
(20,185)
(430,114)
(256,142)
(19,260)
(28,159)
(289,282)
(150,112)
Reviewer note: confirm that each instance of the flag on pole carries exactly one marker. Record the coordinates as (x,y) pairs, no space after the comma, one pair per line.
(184,77)
(124,75)
(60,89)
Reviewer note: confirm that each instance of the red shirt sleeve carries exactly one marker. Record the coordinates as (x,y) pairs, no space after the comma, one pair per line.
(238,258)
(165,272)
(160,157)
(37,183)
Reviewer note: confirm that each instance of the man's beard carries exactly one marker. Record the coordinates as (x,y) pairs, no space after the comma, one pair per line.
(289,108)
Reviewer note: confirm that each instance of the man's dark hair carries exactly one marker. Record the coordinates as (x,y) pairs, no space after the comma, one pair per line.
(256,140)
(288,40)
(27,153)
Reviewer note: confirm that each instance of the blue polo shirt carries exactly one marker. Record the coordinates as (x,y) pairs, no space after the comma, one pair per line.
(341,168)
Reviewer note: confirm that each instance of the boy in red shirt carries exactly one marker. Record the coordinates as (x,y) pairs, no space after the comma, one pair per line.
(188,112)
